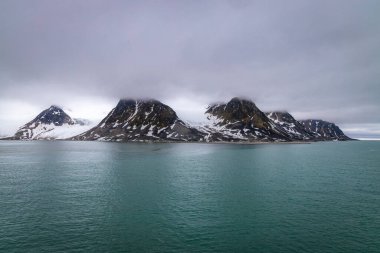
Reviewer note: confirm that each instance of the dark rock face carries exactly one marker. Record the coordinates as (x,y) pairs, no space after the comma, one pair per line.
(44,122)
(53,115)
(324,130)
(239,111)
(141,120)
(241,120)
(294,129)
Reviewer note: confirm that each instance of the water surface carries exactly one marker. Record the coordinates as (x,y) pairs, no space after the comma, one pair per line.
(112,197)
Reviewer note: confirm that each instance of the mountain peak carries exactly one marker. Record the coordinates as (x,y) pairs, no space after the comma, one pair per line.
(141,120)
(142,100)
(54,107)
(238,109)
(241,118)
(51,123)
(53,115)
(142,111)
(240,99)
(241,102)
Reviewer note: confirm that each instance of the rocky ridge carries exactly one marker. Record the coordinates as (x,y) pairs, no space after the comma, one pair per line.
(149,120)
(141,120)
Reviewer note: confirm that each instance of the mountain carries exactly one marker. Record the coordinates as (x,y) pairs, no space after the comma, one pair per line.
(52,123)
(141,120)
(294,129)
(324,130)
(240,120)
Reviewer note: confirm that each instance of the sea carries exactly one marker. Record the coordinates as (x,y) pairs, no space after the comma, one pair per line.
(66,196)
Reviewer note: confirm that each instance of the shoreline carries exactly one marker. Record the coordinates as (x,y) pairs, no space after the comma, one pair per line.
(184,142)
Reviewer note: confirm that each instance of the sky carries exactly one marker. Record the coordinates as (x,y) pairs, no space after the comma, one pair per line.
(315,59)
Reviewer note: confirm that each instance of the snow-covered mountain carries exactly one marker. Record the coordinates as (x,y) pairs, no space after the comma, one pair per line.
(52,123)
(294,129)
(141,120)
(324,130)
(240,120)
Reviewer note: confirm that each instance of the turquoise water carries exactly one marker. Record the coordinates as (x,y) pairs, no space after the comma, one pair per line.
(112,197)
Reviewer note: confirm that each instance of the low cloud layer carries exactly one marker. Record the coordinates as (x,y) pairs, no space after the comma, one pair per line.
(317,59)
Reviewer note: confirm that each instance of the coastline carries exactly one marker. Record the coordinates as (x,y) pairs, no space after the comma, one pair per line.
(173,142)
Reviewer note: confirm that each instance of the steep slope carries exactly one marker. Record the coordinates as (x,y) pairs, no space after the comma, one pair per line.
(52,123)
(324,130)
(294,129)
(141,120)
(240,120)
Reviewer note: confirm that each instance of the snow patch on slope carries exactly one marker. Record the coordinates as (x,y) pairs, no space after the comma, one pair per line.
(50,131)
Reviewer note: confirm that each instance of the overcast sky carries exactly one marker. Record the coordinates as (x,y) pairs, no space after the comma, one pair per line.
(315,59)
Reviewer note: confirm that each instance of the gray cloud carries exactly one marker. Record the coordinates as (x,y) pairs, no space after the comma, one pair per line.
(313,58)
